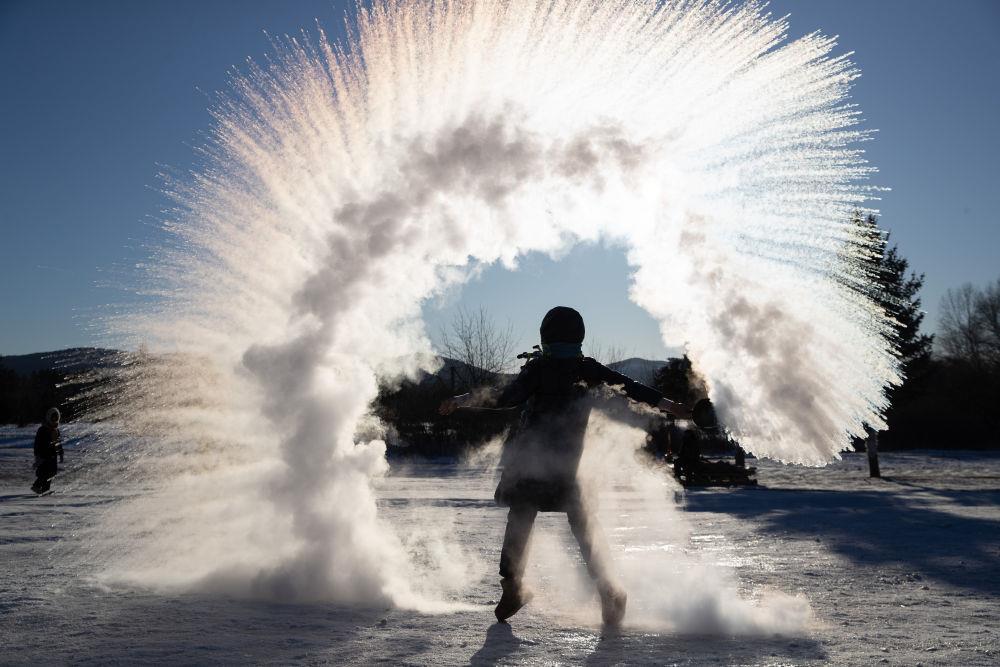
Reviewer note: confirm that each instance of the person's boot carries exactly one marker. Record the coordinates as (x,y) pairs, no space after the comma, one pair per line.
(613,601)
(36,487)
(515,595)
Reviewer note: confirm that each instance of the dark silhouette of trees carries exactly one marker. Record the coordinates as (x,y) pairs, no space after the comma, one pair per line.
(25,398)
(476,352)
(31,384)
(678,381)
(606,354)
(970,343)
(881,273)
(970,325)
(896,289)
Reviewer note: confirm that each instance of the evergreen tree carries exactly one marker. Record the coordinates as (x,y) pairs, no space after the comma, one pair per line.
(678,381)
(883,275)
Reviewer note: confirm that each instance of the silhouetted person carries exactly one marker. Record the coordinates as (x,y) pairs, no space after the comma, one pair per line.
(48,450)
(540,461)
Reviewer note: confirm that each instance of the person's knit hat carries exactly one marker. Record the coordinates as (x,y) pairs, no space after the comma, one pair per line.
(562,325)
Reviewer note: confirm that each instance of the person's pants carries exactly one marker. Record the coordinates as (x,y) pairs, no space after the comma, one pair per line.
(585,528)
(44,472)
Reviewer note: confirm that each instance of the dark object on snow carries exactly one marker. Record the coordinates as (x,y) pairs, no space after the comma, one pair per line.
(703,414)
(48,452)
(45,471)
(871,446)
(691,469)
(703,472)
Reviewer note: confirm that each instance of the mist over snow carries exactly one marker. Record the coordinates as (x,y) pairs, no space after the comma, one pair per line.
(348,183)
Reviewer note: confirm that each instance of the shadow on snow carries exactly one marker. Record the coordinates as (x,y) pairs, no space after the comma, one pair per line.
(911,527)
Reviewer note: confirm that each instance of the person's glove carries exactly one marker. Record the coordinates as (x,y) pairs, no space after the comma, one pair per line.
(449,405)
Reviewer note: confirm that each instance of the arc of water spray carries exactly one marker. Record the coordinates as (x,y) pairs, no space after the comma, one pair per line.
(347,183)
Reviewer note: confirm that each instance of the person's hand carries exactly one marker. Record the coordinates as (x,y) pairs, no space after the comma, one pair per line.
(448,406)
(678,410)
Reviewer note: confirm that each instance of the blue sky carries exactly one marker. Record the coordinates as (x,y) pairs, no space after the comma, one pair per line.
(98,95)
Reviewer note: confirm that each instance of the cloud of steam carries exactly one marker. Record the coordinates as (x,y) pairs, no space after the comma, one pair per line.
(671,586)
(346,185)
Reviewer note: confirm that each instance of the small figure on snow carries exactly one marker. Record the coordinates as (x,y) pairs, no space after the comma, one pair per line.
(48,449)
(540,460)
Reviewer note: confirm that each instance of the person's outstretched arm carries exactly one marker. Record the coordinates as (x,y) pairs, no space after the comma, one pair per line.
(453,403)
(678,410)
(514,394)
(636,390)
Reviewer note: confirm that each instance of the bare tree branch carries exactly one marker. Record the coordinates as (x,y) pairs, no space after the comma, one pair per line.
(606,354)
(485,349)
(961,331)
(988,314)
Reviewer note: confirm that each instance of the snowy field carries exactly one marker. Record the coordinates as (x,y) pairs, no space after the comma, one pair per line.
(901,571)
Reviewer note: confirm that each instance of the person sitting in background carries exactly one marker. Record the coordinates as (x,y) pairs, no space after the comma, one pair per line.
(48,449)
(540,461)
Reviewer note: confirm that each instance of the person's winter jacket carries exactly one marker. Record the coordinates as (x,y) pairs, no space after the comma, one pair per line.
(540,460)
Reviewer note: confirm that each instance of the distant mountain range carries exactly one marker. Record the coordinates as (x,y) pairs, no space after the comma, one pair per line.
(641,370)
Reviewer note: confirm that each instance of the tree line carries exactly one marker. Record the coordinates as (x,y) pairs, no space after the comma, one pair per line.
(948,399)
(24,398)
(951,382)
(952,400)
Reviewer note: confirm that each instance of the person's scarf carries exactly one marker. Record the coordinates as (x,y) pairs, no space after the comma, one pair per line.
(562,350)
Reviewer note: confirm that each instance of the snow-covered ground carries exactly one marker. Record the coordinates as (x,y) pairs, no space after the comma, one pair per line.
(903,570)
